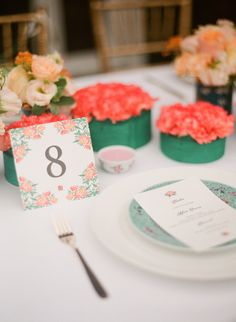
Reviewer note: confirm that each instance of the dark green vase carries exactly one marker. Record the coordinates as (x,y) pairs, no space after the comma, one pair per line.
(134,132)
(9,167)
(217,95)
(185,149)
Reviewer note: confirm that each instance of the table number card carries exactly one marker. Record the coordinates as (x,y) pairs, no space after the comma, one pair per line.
(54,162)
(189,211)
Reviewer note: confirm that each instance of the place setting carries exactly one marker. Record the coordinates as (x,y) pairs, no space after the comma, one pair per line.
(131,232)
(117,168)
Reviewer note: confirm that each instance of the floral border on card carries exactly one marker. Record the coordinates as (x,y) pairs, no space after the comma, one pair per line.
(79,128)
(21,137)
(89,187)
(31,198)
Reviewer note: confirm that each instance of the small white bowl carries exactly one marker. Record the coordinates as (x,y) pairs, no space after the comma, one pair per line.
(116,158)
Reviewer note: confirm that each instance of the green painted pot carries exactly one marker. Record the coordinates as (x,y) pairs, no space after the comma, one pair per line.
(134,132)
(217,95)
(185,149)
(9,167)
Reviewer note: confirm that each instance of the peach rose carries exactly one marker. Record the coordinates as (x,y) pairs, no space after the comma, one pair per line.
(40,93)
(211,39)
(17,81)
(190,44)
(231,55)
(46,68)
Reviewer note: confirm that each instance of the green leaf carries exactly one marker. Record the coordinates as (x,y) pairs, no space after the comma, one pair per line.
(61,84)
(38,110)
(66,100)
(54,109)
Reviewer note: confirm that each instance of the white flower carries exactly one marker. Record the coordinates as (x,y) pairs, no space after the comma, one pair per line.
(10,103)
(2,127)
(57,58)
(17,81)
(70,88)
(40,93)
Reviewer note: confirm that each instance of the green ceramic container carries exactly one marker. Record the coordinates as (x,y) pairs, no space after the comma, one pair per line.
(185,149)
(134,132)
(9,167)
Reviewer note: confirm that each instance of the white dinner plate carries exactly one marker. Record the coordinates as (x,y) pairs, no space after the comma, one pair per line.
(110,223)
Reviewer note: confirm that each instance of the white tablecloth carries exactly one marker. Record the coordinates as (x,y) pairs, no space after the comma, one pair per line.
(42,280)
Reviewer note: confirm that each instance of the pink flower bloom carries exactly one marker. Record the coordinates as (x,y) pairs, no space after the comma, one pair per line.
(77,192)
(46,199)
(19,152)
(85,141)
(34,132)
(42,200)
(65,127)
(118,168)
(81,193)
(90,172)
(25,185)
(202,121)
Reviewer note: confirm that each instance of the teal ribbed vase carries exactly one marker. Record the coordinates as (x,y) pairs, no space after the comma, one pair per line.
(134,132)
(185,149)
(9,167)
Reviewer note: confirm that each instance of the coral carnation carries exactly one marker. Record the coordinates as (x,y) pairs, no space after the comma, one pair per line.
(202,121)
(114,101)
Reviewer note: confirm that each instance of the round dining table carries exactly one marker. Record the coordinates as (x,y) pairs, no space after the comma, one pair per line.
(42,279)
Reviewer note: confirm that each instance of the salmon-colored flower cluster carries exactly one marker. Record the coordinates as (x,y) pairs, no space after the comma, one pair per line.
(202,121)
(113,101)
(25,121)
(209,55)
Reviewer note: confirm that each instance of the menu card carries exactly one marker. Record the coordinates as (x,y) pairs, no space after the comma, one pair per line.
(191,213)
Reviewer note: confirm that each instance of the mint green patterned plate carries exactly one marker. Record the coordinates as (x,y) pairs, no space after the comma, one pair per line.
(149,228)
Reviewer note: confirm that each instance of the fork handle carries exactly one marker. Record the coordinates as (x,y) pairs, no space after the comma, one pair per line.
(94,280)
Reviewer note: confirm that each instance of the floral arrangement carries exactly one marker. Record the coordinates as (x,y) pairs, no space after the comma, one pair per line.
(37,84)
(25,121)
(113,101)
(202,121)
(209,55)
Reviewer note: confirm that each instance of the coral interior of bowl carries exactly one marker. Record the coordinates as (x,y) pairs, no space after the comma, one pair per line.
(116,153)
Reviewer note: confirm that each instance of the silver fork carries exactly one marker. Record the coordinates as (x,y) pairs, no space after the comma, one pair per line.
(66,235)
